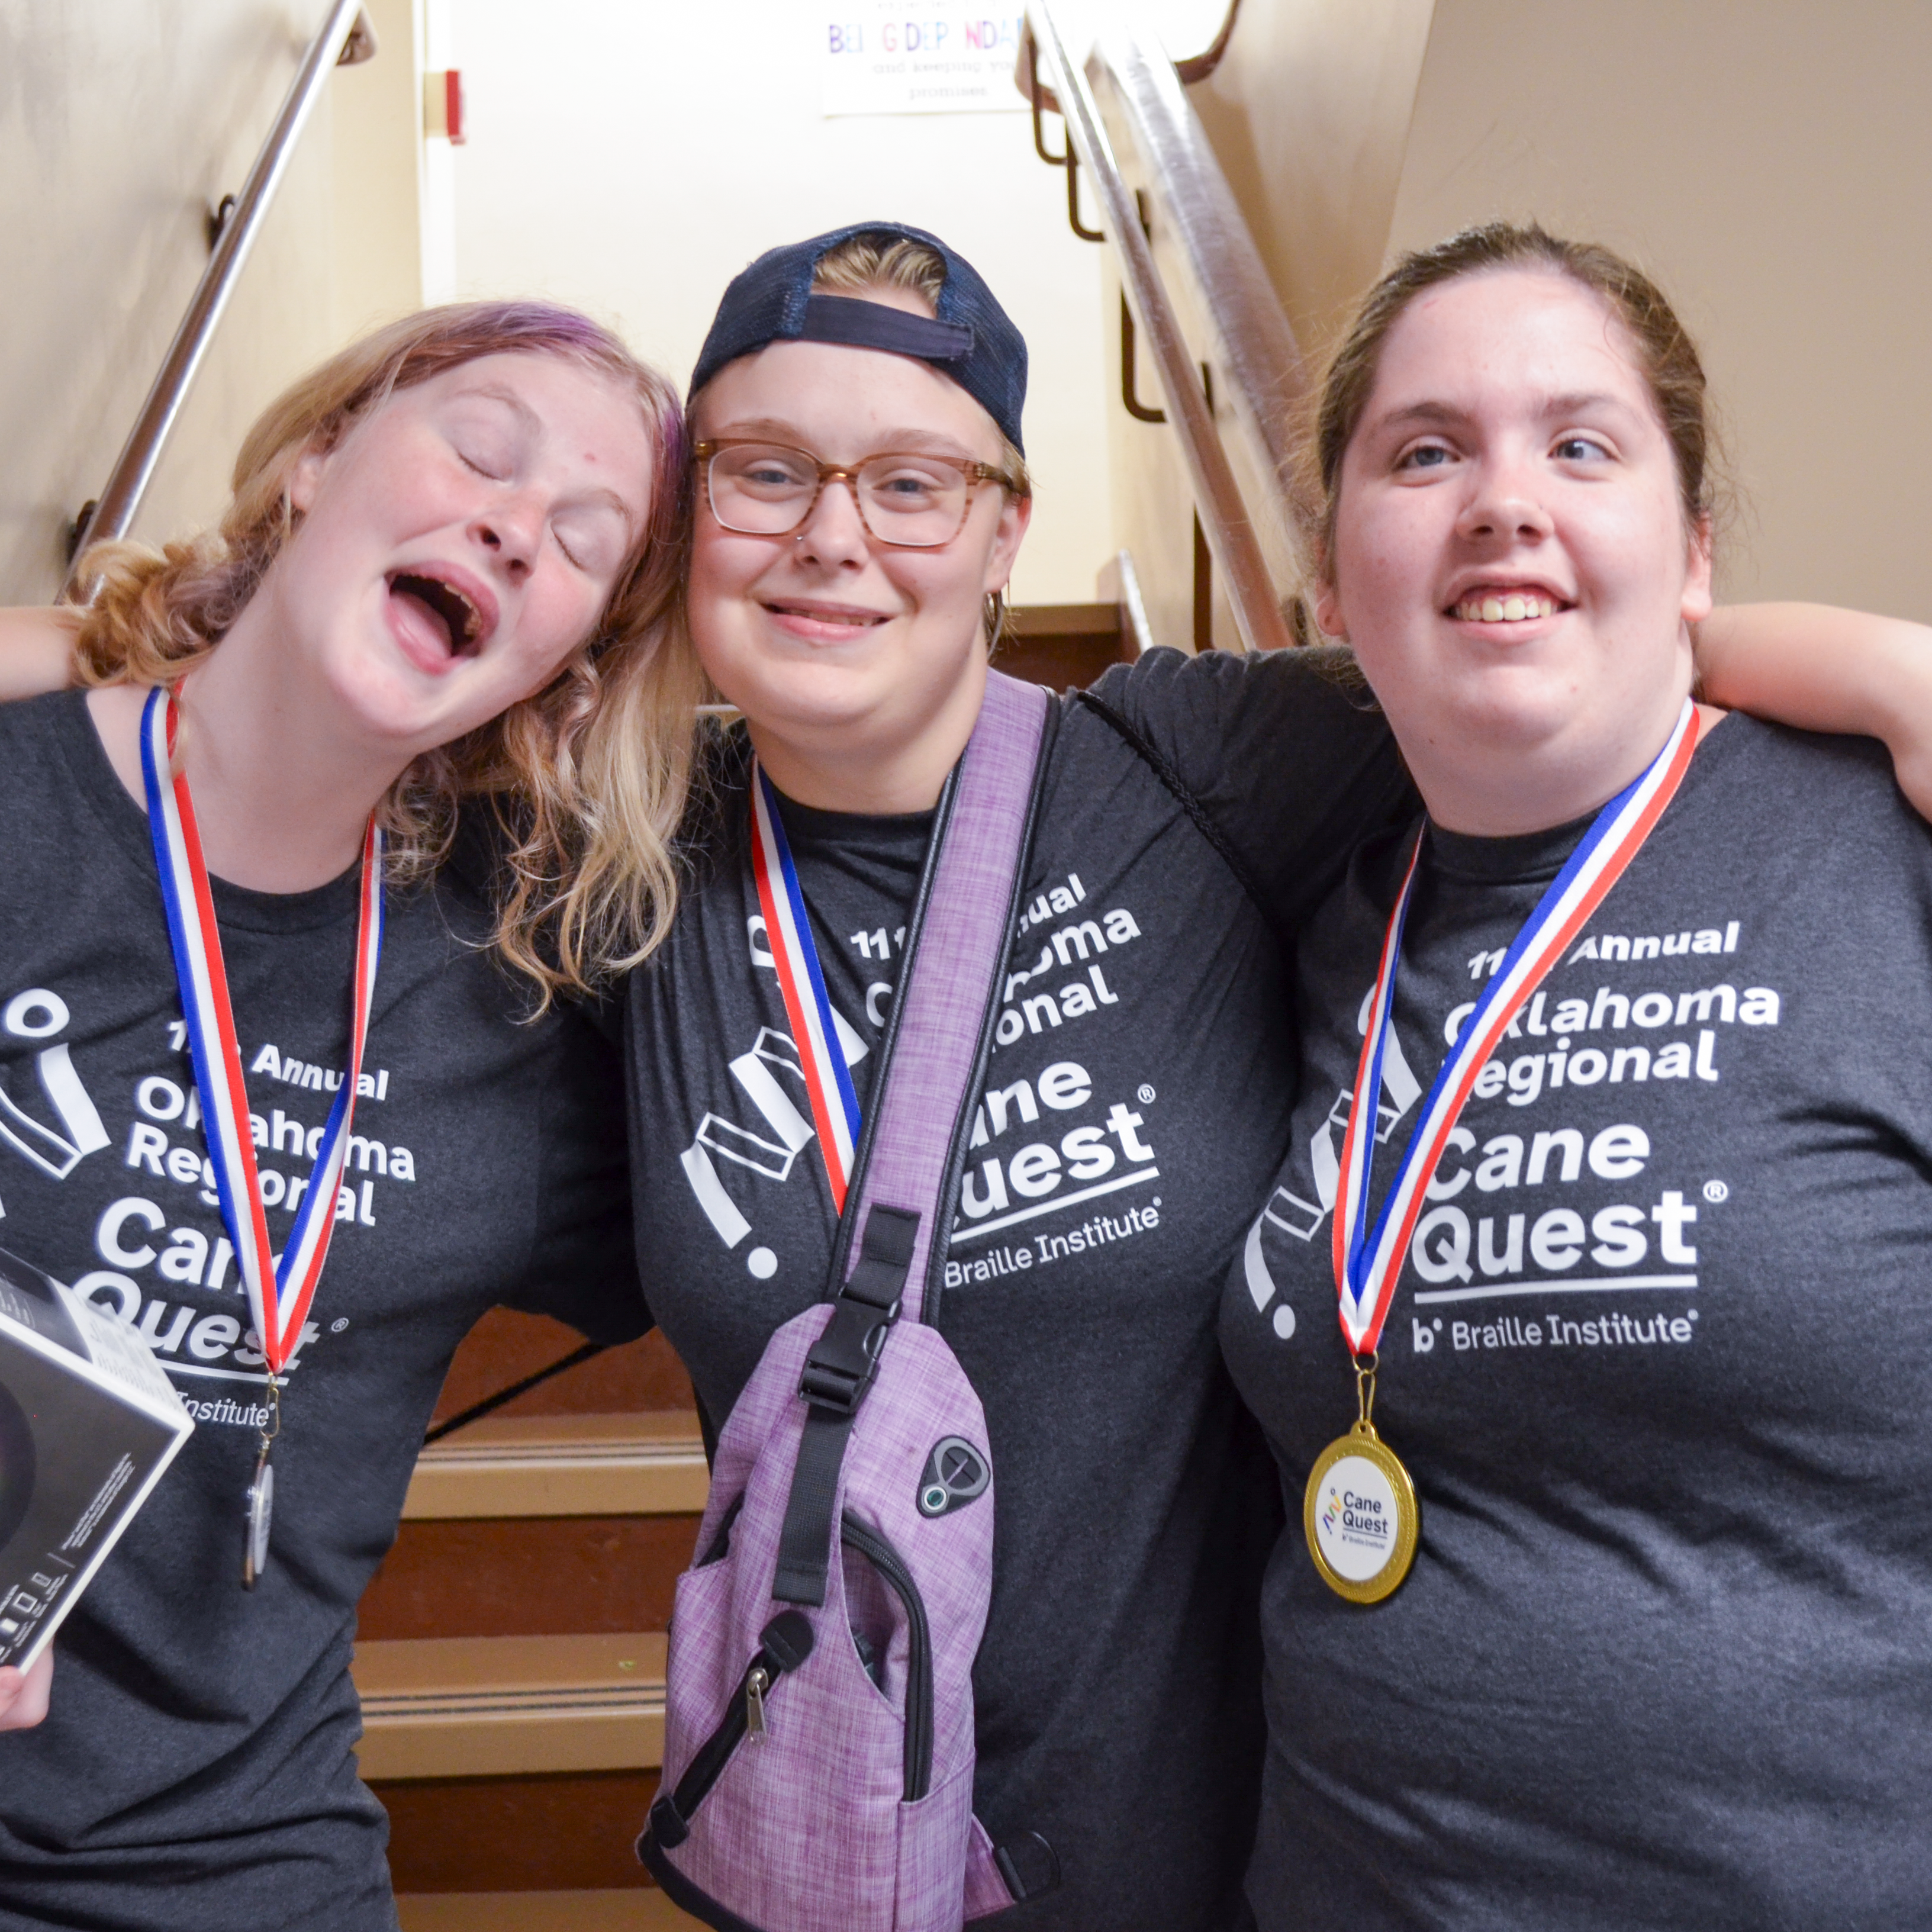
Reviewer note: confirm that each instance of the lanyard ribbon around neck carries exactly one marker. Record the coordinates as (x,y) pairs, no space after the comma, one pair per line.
(1367,1266)
(279,1292)
(834,1103)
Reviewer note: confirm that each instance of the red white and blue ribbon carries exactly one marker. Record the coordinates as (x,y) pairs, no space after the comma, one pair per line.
(835,1106)
(279,1290)
(1368,1266)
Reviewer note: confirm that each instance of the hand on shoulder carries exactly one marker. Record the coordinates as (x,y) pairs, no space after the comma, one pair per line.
(36,649)
(23,1699)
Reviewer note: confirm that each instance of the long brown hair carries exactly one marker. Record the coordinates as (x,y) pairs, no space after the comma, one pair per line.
(588,776)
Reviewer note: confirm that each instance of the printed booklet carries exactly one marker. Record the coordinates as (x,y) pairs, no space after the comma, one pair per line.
(88,1423)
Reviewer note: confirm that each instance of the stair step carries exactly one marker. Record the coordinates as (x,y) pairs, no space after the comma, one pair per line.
(457,1707)
(528,1577)
(553,1465)
(556,1831)
(637,1910)
(505,1346)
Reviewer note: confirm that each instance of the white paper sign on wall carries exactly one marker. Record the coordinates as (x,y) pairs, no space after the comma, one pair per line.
(920,57)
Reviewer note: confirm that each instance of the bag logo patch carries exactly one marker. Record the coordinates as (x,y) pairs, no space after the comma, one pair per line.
(955,1474)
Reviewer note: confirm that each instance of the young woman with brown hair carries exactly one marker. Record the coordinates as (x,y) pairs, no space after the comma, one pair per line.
(1636,1290)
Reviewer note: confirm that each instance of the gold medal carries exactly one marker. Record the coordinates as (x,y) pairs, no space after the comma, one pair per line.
(1359,1511)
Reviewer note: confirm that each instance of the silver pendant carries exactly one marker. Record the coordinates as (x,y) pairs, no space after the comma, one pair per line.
(261,1510)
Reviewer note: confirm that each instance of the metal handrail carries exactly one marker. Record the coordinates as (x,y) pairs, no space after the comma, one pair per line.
(1225,519)
(347,39)
(1260,357)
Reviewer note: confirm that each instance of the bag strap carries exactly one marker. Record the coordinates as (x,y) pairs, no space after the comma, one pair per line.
(891,1242)
(948,996)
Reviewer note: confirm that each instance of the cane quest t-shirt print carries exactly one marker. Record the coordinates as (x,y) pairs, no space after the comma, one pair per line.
(1659,1360)
(197,1768)
(155,1231)
(1139,1082)
(1020,1187)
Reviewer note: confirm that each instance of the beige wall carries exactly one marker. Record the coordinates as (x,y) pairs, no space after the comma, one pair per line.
(120,124)
(1309,112)
(376,166)
(1770,161)
(631,159)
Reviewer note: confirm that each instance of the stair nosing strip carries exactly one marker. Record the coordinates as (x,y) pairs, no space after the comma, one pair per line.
(681,1457)
(386,1710)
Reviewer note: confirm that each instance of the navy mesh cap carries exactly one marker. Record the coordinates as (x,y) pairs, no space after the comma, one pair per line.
(972,339)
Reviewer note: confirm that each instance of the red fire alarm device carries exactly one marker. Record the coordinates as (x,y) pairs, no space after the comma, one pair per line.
(442,107)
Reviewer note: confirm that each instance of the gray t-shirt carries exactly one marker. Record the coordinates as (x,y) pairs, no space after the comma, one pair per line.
(1137,1101)
(1661,1364)
(196,1771)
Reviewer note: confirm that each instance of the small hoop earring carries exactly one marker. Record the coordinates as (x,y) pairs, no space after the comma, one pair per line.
(994,618)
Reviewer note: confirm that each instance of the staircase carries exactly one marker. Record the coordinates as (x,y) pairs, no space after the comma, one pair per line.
(1063,646)
(511,1649)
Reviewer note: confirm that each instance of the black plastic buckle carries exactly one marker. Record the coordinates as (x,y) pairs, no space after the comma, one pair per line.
(844,1359)
(667,1824)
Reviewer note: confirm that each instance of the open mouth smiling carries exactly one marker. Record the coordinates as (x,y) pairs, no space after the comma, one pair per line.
(1500,605)
(461,621)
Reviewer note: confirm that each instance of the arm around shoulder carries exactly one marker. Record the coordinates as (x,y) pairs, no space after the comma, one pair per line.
(36,649)
(1286,752)
(1824,669)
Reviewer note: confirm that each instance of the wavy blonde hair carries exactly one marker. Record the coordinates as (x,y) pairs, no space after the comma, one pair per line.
(588,777)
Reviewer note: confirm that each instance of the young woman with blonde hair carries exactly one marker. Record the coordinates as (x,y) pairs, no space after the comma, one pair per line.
(418,695)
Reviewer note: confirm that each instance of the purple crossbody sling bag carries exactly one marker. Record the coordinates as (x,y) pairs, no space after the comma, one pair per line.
(819,1745)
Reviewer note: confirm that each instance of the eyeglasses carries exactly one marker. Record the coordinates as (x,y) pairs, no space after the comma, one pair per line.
(914,501)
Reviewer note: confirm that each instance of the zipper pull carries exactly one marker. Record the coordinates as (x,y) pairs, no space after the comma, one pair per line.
(756,1683)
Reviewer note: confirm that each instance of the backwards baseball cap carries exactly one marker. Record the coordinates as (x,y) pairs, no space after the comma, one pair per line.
(972,339)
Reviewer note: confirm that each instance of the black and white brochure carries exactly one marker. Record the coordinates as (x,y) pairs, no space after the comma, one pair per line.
(88,1423)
